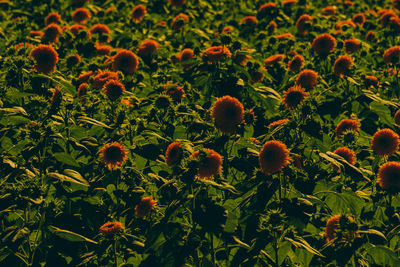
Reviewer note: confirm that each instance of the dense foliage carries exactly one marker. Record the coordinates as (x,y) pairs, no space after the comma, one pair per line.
(199,133)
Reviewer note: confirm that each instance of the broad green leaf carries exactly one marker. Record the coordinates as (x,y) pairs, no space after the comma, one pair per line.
(70,236)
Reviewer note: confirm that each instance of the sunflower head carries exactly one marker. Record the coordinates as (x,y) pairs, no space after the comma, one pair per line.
(126,61)
(111,228)
(385,142)
(113,155)
(293,97)
(174,153)
(307,79)
(210,163)
(347,154)
(145,206)
(389,176)
(324,44)
(273,157)
(228,113)
(341,228)
(46,58)
(138,13)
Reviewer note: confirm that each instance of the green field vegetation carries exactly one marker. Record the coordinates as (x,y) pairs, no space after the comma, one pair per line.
(199,133)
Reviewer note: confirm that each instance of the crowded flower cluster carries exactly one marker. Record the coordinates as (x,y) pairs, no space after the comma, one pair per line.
(200,133)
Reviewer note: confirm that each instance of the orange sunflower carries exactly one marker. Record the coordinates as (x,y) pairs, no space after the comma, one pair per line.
(340,223)
(145,206)
(324,44)
(210,163)
(113,155)
(228,113)
(347,154)
(347,125)
(294,97)
(273,157)
(46,58)
(385,142)
(138,13)
(389,176)
(307,79)
(111,228)
(173,154)
(126,61)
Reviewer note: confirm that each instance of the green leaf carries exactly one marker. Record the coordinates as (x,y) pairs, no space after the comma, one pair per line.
(66,158)
(383,256)
(65,178)
(70,236)
(93,122)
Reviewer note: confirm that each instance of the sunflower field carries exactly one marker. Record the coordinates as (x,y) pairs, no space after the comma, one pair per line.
(199,133)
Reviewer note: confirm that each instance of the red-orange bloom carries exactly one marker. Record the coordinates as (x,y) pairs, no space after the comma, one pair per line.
(228,113)
(301,23)
(216,53)
(113,89)
(56,97)
(102,77)
(53,18)
(277,123)
(294,97)
(177,93)
(296,63)
(392,55)
(147,47)
(397,117)
(352,45)
(347,154)
(81,15)
(284,36)
(103,49)
(36,33)
(329,10)
(111,228)
(210,163)
(307,79)
(138,13)
(342,66)
(342,23)
(347,125)
(76,28)
(371,81)
(271,27)
(273,59)
(51,32)
(125,60)
(257,76)
(84,77)
(266,9)
(370,36)
(46,58)
(324,44)
(249,20)
(389,176)
(173,154)
(386,17)
(101,30)
(145,206)
(179,21)
(273,157)
(113,155)
(385,142)
(177,3)
(82,90)
(186,54)
(359,19)
(333,225)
